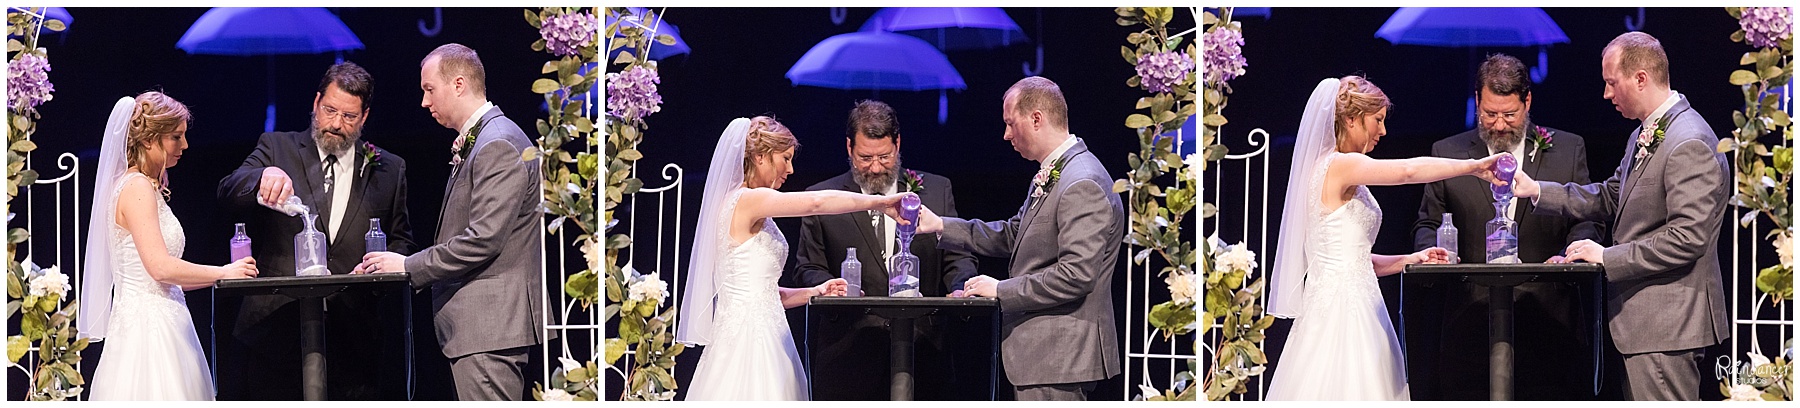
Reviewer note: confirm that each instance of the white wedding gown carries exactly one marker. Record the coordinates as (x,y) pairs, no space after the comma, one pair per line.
(751,356)
(1342,347)
(151,351)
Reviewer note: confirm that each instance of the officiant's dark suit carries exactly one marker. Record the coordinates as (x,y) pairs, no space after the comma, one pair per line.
(363,361)
(1549,315)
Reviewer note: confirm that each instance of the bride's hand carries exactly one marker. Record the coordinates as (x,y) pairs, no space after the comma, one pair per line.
(1431,256)
(890,205)
(834,287)
(242,268)
(1485,169)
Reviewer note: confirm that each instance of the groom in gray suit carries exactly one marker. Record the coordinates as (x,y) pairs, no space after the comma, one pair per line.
(1057,339)
(1666,200)
(486,268)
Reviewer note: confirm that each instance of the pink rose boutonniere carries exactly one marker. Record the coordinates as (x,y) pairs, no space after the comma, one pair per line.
(1046,178)
(459,149)
(1651,137)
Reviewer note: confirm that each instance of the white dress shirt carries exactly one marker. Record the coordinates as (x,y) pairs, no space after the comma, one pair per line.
(880,221)
(340,189)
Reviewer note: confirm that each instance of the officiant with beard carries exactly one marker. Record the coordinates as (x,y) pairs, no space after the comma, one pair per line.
(855,366)
(1555,358)
(346,182)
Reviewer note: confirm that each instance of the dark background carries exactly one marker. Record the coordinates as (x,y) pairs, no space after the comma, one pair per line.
(110,53)
(1290,51)
(737,69)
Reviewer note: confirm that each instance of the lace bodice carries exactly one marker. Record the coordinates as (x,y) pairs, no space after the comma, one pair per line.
(746,279)
(1338,266)
(133,289)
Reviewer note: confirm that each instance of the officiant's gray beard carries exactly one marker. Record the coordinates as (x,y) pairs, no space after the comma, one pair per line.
(875,181)
(1505,141)
(335,139)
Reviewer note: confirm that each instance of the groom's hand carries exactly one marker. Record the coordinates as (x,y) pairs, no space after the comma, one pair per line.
(1524,186)
(981,285)
(275,186)
(929,222)
(376,262)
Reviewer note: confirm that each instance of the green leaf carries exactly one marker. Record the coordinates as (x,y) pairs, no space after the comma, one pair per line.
(1737,36)
(55,25)
(1138,120)
(625,57)
(1130,56)
(16,346)
(1742,77)
(24,146)
(544,86)
(13,45)
(1216,120)
(665,39)
(538,45)
(531,17)
(631,329)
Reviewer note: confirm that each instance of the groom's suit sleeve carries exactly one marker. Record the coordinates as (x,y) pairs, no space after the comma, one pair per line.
(1691,176)
(992,238)
(1587,202)
(238,189)
(502,183)
(1085,222)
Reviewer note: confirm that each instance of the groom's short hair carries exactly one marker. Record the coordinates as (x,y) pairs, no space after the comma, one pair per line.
(1039,93)
(1504,76)
(456,59)
(1640,51)
(351,79)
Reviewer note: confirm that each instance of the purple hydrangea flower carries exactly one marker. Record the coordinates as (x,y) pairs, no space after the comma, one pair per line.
(1162,71)
(1223,55)
(28,82)
(632,94)
(1765,27)
(567,34)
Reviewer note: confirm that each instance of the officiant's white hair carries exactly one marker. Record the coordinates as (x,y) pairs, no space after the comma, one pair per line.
(1640,51)
(456,59)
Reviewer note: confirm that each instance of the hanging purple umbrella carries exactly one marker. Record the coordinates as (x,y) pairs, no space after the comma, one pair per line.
(1471,27)
(658,51)
(875,60)
(950,28)
(267,31)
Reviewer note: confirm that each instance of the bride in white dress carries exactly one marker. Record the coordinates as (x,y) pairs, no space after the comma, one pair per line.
(732,304)
(1342,345)
(131,294)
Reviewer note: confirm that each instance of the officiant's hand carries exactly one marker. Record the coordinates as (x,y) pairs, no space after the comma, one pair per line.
(929,222)
(834,287)
(1524,186)
(275,186)
(981,285)
(1586,251)
(377,262)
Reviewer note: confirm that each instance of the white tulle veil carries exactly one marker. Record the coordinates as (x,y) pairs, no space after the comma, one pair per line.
(97,279)
(1317,139)
(726,174)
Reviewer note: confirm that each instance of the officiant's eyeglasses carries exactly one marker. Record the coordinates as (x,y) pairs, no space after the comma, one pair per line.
(333,114)
(866,159)
(1489,116)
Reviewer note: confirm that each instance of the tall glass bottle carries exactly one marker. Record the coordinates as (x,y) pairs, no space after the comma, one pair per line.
(240,244)
(903,267)
(852,273)
(1446,237)
(375,240)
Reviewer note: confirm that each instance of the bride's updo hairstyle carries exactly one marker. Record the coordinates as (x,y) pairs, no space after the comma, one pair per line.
(1356,98)
(767,137)
(156,116)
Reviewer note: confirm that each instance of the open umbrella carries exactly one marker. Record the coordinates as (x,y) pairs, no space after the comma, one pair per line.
(268,31)
(950,28)
(875,60)
(658,51)
(1471,27)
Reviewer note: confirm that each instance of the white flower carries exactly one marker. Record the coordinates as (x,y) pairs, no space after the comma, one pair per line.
(1745,392)
(1784,245)
(1757,360)
(50,281)
(651,287)
(1181,287)
(1238,258)
(557,394)
(569,364)
(591,249)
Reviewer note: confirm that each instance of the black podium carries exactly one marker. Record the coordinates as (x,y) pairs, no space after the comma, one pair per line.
(1500,280)
(828,317)
(310,293)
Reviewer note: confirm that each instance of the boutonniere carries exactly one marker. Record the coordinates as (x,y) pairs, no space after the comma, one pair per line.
(1046,178)
(1540,139)
(1651,137)
(371,158)
(911,182)
(459,149)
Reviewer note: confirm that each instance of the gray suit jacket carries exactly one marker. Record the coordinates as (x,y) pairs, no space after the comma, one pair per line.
(486,268)
(1663,291)
(1057,316)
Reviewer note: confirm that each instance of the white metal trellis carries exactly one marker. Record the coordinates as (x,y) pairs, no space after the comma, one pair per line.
(72,165)
(1259,139)
(1745,264)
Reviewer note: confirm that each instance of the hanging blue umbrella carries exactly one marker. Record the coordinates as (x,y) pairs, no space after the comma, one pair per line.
(1470,27)
(658,51)
(875,60)
(950,28)
(268,31)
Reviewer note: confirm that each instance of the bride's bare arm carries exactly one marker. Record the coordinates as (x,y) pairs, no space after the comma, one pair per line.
(1360,170)
(761,203)
(796,297)
(1391,264)
(137,213)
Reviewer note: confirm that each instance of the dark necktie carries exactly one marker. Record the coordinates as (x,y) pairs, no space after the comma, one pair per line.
(325,202)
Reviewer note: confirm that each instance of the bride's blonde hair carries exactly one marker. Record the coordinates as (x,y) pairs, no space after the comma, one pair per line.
(767,136)
(1356,98)
(156,116)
